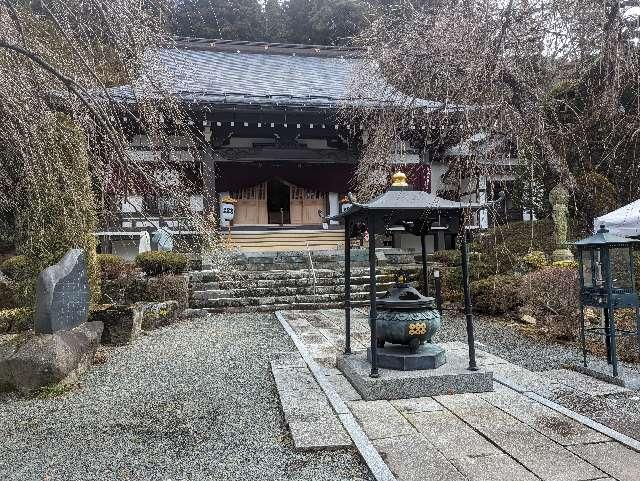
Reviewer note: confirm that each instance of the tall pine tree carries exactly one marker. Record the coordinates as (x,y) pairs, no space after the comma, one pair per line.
(228,19)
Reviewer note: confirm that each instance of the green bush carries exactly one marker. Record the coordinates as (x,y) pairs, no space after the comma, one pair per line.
(496,294)
(8,295)
(130,288)
(156,263)
(479,268)
(535,260)
(449,258)
(505,245)
(168,288)
(16,268)
(112,267)
(16,320)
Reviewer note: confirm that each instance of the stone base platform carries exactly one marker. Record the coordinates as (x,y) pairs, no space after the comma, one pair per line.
(394,356)
(450,378)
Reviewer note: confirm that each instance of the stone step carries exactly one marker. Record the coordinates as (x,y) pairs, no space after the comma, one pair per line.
(279,274)
(282,291)
(311,419)
(287,283)
(267,301)
(281,307)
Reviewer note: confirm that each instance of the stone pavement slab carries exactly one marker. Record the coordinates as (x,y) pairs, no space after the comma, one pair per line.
(342,386)
(613,458)
(380,419)
(412,458)
(451,436)
(311,420)
(321,433)
(495,467)
(545,420)
(416,405)
(552,462)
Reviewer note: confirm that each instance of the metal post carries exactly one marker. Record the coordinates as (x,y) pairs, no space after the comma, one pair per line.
(610,313)
(373,296)
(425,283)
(347,285)
(467,301)
(614,353)
(607,330)
(583,335)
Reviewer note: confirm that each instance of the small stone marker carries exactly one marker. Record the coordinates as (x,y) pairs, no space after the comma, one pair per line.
(63,294)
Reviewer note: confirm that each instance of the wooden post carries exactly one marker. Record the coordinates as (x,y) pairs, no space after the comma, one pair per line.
(209,183)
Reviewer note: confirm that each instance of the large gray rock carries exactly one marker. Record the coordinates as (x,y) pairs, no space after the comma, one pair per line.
(63,294)
(27,364)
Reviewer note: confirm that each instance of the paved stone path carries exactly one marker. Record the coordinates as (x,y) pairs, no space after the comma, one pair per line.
(501,435)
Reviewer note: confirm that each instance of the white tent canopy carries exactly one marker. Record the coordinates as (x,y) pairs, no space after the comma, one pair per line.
(624,221)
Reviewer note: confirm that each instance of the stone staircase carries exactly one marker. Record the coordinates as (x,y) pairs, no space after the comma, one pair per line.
(280,281)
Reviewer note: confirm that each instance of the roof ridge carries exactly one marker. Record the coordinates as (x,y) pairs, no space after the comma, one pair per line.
(246,46)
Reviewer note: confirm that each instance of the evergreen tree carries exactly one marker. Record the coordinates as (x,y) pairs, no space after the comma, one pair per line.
(275,22)
(228,19)
(334,22)
(298,20)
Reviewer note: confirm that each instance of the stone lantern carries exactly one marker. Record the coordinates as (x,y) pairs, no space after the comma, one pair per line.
(607,282)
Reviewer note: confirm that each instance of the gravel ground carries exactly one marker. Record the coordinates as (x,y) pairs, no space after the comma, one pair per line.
(509,340)
(195,401)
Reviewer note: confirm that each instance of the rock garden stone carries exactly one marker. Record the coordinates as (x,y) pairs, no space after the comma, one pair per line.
(121,325)
(31,361)
(153,315)
(63,294)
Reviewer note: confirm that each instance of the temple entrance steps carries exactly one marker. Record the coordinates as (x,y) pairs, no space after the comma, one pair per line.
(285,240)
(279,282)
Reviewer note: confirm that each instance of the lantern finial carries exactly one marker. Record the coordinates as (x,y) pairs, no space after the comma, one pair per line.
(603,229)
(399,180)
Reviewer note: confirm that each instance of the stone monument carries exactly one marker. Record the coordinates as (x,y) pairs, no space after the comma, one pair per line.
(63,294)
(559,198)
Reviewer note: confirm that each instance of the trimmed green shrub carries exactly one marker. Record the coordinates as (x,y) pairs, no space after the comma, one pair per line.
(535,260)
(168,288)
(16,268)
(156,263)
(552,294)
(131,288)
(8,295)
(16,320)
(112,267)
(449,258)
(496,294)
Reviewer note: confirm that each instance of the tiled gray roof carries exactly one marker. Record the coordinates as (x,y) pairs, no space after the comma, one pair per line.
(238,77)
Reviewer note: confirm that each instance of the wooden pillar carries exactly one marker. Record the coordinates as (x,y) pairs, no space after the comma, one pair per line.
(347,285)
(373,296)
(209,183)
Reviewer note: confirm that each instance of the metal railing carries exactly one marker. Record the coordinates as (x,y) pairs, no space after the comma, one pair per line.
(313,270)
